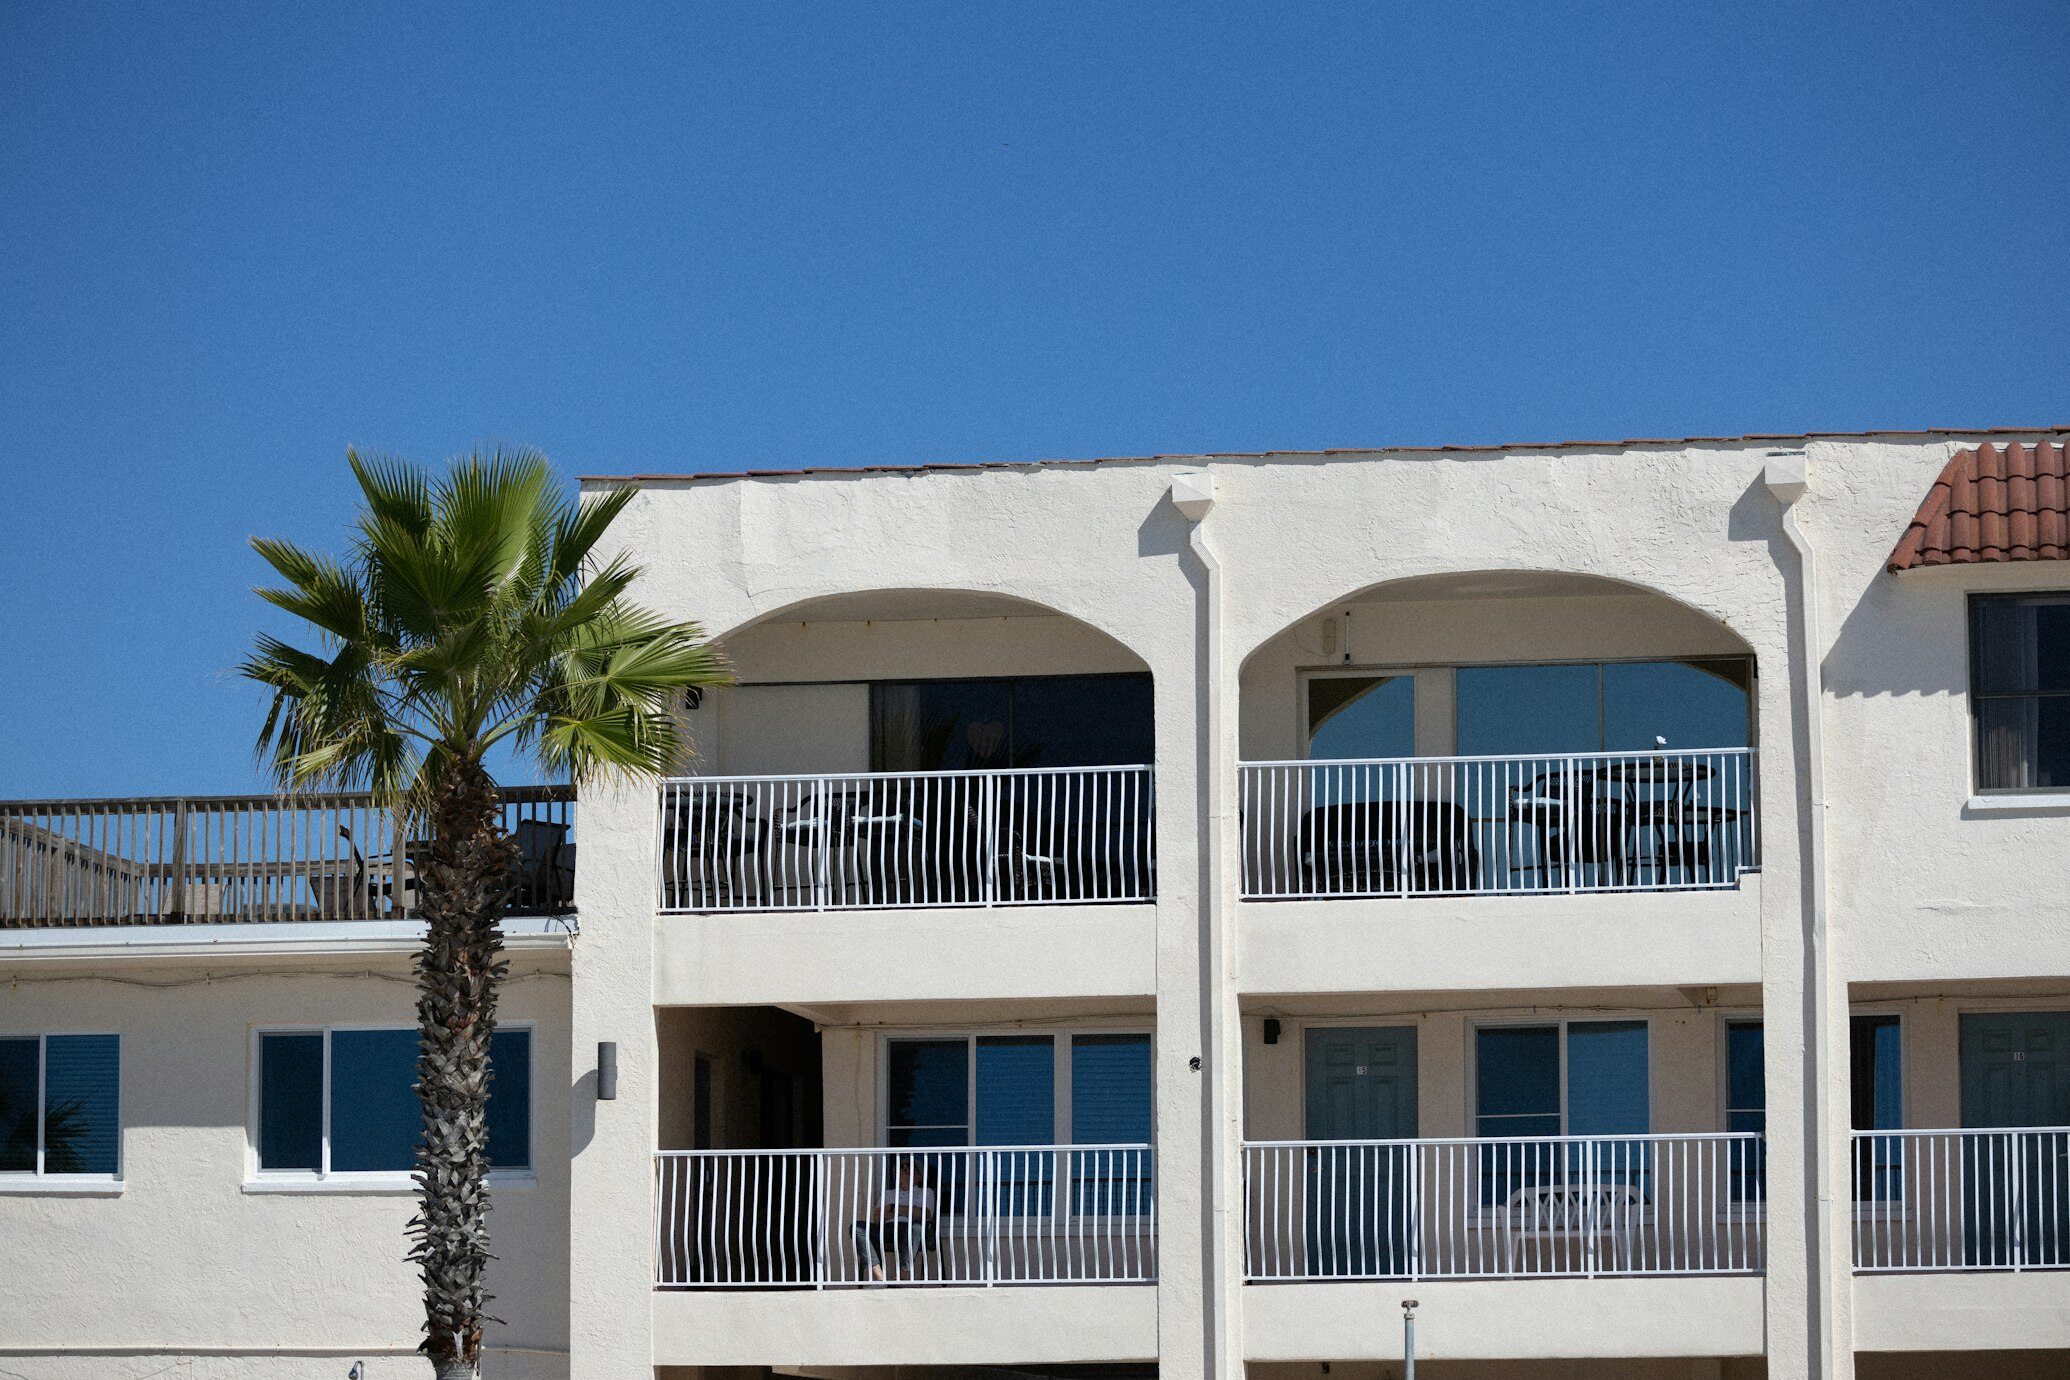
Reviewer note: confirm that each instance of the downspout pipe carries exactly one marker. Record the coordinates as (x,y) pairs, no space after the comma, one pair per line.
(1788,476)
(1193,494)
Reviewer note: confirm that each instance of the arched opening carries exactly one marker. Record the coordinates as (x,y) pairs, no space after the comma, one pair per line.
(1498,731)
(916,747)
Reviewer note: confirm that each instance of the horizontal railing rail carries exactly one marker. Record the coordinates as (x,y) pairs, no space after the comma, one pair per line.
(1980,1199)
(1029,1214)
(1481,1208)
(879,839)
(332,856)
(1484,826)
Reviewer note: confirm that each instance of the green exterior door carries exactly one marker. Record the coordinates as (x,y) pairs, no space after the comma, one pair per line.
(1361,1089)
(2016,1189)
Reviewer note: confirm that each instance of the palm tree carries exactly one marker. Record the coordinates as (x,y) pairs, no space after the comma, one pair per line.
(471,615)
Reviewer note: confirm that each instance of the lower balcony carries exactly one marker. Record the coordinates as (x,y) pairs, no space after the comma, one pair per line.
(1482,1208)
(902,1218)
(1932,1201)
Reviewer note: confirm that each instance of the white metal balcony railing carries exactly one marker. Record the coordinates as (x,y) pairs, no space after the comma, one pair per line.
(981,838)
(1476,1208)
(1035,1214)
(1451,826)
(1962,1200)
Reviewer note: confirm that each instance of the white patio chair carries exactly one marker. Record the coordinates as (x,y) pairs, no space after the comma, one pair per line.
(1580,1209)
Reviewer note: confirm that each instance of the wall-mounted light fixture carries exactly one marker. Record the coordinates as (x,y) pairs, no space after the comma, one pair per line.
(607,1070)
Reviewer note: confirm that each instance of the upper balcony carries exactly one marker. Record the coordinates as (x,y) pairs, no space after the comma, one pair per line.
(1549,749)
(922,756)
(243,859)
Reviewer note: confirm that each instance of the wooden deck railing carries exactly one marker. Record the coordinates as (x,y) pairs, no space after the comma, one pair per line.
(172,860)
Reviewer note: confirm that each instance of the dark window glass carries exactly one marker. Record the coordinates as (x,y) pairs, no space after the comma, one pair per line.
(1110,1105)
(1692,704)
(1082,721)
(1876,1103)
(81,1129)
(291,1101)
(1016,1090)
(509,1113)
(1517,1080)
(1110,1089)
(1606,1078)
(1746,1106)
(2020,690)
(18,1106)
(1361,716)
(1519,710)
(929,1085)
(1746,1077)
(1876,1074)
(1036,721)
(376,1119)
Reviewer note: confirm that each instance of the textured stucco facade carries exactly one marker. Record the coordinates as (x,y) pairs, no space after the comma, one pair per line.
(1934,903)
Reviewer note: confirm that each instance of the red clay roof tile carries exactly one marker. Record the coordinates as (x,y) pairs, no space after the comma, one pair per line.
(1993,503)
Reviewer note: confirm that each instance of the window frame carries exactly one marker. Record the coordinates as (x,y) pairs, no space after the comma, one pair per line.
(1972,602)
(258,1179)
(1560,1024)
(39,1179)
(1060,1072)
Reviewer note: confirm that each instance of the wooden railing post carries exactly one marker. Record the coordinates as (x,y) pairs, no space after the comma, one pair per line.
(176,901)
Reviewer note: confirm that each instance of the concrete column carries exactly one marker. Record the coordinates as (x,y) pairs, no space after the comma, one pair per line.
(610,1198)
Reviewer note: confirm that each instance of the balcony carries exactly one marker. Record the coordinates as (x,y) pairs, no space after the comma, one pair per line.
(260,858)
(1570,823)
(876,840)
(1966,1201)
(1478,1208)
(835,1219)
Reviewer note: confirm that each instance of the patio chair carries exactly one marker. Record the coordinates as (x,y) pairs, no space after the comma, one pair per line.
(1577,1211)
(1577,824)
(707,844)
(1378,847)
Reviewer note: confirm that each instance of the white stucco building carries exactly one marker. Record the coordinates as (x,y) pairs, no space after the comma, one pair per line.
(1159,914)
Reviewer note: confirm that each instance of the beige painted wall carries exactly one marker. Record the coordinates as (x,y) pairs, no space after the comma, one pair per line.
(184,1261)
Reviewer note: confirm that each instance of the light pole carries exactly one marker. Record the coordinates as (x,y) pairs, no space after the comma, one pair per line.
(1408,1339)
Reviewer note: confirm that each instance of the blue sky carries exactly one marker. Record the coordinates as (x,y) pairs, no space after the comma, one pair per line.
(233,242)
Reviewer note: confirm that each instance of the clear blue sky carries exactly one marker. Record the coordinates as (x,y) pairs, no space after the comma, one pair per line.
(723,235)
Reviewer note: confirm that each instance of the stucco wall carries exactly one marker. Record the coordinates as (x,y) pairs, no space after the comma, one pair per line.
(186,1269)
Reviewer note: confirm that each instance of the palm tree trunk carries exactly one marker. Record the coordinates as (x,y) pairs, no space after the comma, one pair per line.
(463,885)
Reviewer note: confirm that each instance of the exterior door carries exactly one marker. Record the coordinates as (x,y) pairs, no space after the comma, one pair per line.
(1361,1219)
(2016,1188)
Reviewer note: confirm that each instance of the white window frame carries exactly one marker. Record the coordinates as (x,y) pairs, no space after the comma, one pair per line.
(1559,1023)
(39,1180)
(385,1181)
(1060,1072)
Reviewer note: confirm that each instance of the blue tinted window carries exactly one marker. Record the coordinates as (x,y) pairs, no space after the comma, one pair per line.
(1877,1073)
(1692,704)
(376,1119)
(1110,1089)
(291,1101)
(18,1106)
(1361,716)
(1016,1090)
(1529,710)
(1517,1080)
(510,1100)
(1746,1078)
(1606,1078)
(929,1092)
(81,1130)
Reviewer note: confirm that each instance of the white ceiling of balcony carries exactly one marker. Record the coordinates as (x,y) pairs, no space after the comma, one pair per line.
(1497,584)
(894,605)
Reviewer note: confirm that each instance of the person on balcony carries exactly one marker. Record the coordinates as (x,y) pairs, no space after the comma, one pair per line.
(902,1224)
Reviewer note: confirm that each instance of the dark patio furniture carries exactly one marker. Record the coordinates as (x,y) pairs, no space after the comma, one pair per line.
(1577,824)
(1377,847)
